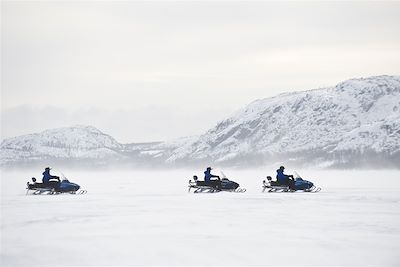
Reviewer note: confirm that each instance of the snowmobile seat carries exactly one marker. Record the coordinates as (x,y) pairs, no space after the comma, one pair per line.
(275,183)
(50,185)
(212,183)
(36,186)
(201,183)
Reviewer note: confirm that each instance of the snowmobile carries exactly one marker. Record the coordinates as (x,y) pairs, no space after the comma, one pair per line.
(214,186)
(299,185)
(52,188)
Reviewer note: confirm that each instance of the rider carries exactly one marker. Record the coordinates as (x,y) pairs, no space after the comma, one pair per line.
(283,178)
(50,180)
(208,176)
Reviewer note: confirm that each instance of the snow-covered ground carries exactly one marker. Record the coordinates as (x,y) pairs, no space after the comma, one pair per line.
(149,218)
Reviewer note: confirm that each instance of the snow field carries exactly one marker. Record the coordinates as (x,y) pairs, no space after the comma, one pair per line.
(133,218)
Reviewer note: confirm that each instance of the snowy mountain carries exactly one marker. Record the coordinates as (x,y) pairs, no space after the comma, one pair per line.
(354,124)
(70,143)
(83,145)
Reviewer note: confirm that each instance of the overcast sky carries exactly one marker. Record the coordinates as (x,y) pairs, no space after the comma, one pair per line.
(144,71)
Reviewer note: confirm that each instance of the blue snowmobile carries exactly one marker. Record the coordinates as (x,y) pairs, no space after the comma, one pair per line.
(54,187)
(214,186)
(299,185)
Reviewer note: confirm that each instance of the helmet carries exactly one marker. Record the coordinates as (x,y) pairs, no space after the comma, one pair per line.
(281,167)
(47,168)
(209,168)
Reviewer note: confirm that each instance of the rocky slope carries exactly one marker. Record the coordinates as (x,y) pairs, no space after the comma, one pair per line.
(353,124)
(69,143)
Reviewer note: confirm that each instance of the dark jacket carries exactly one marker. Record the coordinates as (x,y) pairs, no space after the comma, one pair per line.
(208,175)
(47,176)
(281,177)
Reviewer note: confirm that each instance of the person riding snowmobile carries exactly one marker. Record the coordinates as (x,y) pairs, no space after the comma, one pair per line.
(50,180)
(284,179)
(208,180)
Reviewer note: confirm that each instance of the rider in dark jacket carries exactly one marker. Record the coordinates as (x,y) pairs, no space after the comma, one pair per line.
(208,176)
(283,178)
(50,180)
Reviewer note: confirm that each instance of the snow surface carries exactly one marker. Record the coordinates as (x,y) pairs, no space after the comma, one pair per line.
(149,218)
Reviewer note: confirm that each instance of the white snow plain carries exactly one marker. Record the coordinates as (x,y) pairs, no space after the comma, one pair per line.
(132,218)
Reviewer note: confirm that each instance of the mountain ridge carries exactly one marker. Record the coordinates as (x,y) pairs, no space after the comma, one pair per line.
(353,124)
(223,141)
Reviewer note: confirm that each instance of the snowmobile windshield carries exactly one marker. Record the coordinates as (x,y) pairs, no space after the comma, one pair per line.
(296,175)
(54,172)
(223,174)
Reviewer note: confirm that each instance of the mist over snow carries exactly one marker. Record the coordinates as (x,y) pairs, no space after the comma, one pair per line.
(353,124)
